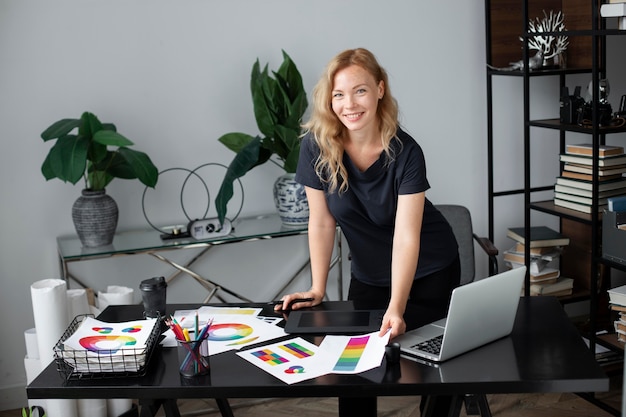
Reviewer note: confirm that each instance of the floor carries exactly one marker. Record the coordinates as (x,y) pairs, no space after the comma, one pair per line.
(501,405)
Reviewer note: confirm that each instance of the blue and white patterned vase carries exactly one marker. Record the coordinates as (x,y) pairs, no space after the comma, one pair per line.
(290,200)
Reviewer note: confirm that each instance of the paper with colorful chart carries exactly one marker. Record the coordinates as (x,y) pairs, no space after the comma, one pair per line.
(291,361)
(297,360)
(355,354)
(232,332)
(187,318)
(98,346)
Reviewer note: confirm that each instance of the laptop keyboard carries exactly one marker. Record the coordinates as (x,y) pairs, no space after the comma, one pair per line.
(432,346)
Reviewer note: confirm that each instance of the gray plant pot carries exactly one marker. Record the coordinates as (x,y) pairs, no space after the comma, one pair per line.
(290,200)
(95,215)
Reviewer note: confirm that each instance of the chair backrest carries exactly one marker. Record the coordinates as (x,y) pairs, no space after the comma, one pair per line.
(461,222)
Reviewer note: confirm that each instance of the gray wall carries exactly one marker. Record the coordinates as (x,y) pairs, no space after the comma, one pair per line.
(174,76)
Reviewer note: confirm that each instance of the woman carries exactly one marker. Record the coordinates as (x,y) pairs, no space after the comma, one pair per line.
(362,171)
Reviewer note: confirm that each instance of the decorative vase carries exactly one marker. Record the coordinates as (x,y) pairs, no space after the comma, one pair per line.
(290,200)
(95,216)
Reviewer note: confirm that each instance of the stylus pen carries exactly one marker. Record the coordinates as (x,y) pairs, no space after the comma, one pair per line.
(295,300)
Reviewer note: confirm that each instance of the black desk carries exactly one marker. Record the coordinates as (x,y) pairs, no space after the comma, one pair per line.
(544,353)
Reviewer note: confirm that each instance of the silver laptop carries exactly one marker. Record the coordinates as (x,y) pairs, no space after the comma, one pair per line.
(480,312)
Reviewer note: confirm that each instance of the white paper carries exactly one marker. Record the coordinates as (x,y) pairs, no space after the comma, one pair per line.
(77,303)
(291,361)
(50,313)
(30,340)
(115,295)
(61,408)
(355,354)
(92,407)
(118,406)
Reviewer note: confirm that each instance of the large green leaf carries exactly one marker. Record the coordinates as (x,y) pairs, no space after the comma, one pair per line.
(236,141)
(89,124)
(111,138)
(60,128)
(244,161)
(141,165)
(67,159)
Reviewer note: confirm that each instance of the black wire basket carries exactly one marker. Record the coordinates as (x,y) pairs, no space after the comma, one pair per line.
(78,364)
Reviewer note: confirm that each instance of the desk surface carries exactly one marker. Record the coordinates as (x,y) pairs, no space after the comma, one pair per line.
(544,353)
(144,240)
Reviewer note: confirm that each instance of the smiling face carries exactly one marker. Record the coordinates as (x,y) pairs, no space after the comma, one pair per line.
(355,96)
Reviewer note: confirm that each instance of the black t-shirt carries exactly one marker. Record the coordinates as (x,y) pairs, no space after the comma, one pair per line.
(366,211)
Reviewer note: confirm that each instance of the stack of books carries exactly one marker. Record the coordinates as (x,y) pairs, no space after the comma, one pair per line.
(617,302)
(615,8)
(545,249)
(573,189)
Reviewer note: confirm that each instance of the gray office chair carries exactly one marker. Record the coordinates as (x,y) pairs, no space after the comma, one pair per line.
(461,222)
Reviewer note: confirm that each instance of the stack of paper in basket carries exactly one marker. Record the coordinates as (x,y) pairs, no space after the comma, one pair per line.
(617,302)
(545,248)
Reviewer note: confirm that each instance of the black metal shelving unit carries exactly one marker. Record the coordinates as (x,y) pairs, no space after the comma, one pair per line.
(598,70)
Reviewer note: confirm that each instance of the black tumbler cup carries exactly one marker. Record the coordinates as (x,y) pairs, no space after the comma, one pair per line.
(153,294)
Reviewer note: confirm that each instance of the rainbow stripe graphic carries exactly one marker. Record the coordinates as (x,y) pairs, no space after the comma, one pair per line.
(107,344)
(224,332)
(269,357)
(296,350)
(351,354)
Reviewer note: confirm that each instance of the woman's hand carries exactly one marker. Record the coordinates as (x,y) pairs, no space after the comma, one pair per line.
(289,304)
(393,321)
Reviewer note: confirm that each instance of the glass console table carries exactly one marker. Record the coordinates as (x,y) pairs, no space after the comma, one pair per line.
(148,241)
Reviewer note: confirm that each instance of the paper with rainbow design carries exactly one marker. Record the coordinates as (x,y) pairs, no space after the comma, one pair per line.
(101,346)
(297,360)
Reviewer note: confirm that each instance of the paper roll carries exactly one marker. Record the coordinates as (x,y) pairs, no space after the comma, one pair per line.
(92,408)
(30,340)
(115,295)
(50,313)
(117,407)
(77,303)
(32,366)
(61,408)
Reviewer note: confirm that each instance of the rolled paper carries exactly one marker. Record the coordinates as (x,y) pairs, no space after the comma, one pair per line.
(115,295)
(92,408)
(50,312)
(77,303)
(116,407)
(30,340)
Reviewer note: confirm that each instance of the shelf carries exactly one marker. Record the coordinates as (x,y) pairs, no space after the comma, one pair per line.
(540,72)
(556,124)
(549,207)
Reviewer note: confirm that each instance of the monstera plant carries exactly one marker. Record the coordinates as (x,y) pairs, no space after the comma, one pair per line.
(279,102)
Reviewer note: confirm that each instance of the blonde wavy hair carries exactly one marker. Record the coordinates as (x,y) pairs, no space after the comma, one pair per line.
(328,131)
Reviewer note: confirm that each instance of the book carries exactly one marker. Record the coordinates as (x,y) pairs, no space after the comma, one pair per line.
(579,199)
(588,185)
(617,203)
(562,286)
(613,10)
(602,171)
(583,208)
(546,275)
(540,236)
(521,248)
(589,177)
(587,149)
(588,160)
(588,193)
(617,295)
(537,262)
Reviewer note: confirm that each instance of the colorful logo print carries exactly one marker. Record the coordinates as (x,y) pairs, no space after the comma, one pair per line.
(351,354)
(296,350)
(133,329)
(224,332)
(269,357)
(107,344)
(296,369)
(102,330)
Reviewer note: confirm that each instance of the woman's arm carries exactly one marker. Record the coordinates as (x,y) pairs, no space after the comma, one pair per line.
(405,253)
(322,230)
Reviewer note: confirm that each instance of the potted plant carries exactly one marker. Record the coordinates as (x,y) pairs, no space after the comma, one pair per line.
(81,151)
(279,102)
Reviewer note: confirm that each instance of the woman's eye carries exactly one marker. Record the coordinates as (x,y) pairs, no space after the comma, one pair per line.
(337,95)
(361,91)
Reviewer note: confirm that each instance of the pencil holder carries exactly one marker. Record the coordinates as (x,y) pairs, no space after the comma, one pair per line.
(193,357)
